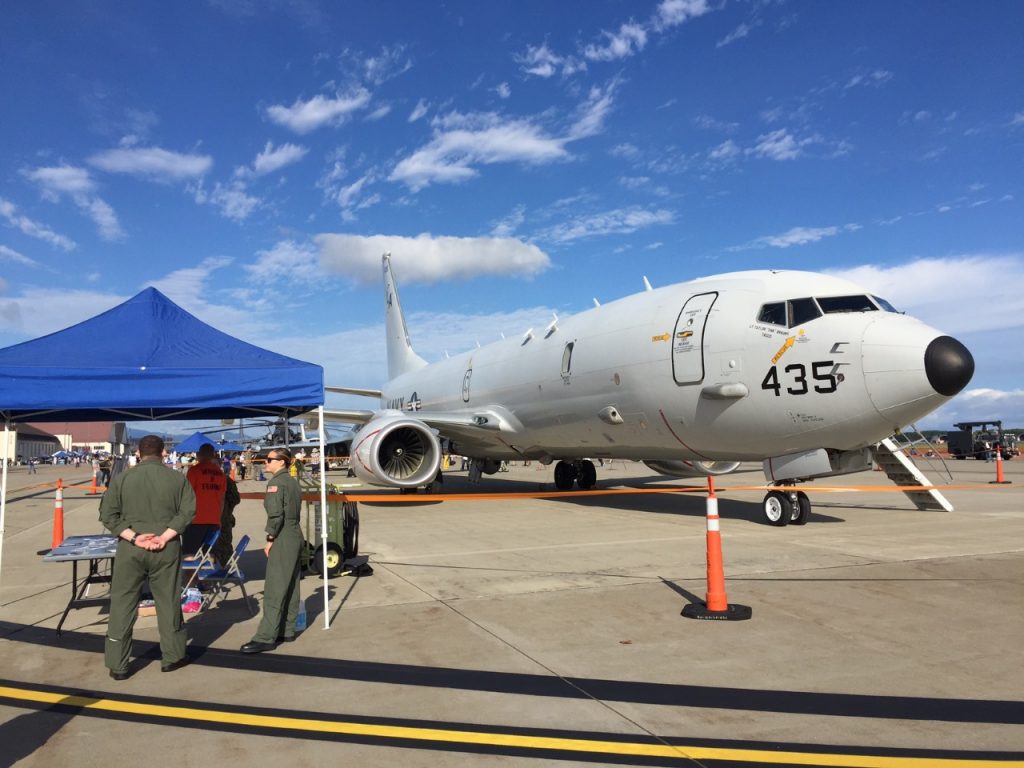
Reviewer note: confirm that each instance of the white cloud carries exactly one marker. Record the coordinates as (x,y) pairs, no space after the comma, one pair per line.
(232,198)
(9,254)
(795,236)
(541,61)
(635,182)
(780,145)
(75,306)
(875,78)
(508,225)
(306,116)
(9,211)
(429,259)
(380,112)
(418,111)
(727,150)
(1018,119)
(503,90)
(627,151)
(592,112)
(631,38)
(465,141)
(960,294)
(288,260)
(615,222)
(152,162)
(671,13)
(59,180)
(390,63)
(737,34)
(273,159)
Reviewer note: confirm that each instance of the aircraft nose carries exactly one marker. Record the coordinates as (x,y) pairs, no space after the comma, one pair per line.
(948,364)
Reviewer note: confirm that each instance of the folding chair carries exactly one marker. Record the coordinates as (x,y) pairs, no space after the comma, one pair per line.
(202,558)
(222,576)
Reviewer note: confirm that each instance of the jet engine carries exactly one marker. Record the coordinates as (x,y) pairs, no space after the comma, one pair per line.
(396,451)
(692,468)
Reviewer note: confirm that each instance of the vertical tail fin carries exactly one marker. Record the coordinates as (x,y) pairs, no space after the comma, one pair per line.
(401,358)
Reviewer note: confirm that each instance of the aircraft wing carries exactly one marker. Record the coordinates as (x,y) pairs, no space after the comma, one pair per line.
(354,391)
(353,416)
(478,427)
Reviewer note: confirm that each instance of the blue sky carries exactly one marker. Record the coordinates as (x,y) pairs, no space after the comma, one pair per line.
(253,159)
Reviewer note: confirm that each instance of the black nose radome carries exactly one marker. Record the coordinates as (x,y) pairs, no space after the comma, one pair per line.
(949,365)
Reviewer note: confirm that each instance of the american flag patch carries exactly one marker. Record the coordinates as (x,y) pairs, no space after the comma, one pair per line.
(272,489)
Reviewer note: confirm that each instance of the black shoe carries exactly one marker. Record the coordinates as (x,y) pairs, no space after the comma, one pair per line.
(254,646)
(120,675)
(286,638)
(183,661)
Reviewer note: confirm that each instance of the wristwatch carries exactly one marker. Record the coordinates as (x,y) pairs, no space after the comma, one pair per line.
(269,537)
(133,538)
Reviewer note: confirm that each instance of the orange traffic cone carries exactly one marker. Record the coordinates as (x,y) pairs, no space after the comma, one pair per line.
(58,516)
(717,606)
(999,468)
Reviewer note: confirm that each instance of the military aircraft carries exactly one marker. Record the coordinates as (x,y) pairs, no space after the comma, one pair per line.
(801,371)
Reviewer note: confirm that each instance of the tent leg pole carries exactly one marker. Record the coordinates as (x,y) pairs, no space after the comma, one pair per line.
(323,515)
(3,487)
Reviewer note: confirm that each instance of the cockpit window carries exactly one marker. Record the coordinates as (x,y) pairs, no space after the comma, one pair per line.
(834,304)
(775,314)
(802,311)
(789,313)
(885,305)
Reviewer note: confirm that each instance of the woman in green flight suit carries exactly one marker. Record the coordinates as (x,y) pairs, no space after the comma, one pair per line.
(282,502)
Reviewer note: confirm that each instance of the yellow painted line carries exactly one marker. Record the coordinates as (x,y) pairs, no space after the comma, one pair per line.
(456,737)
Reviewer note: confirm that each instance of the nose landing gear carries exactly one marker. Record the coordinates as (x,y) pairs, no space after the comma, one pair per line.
(583,473)
(786,507)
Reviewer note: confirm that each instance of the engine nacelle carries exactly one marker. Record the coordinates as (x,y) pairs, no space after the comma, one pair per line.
(396,451)
(692,468)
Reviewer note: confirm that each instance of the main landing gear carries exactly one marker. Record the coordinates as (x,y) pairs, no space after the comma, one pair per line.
(785,507)
(583,473)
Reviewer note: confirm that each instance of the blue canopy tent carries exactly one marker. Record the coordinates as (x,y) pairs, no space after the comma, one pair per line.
(148,359)
(191,443)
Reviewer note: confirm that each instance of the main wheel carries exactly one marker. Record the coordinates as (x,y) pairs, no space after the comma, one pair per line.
(778,509)
(586,477)
(801,510)
(334,560)
(565,475)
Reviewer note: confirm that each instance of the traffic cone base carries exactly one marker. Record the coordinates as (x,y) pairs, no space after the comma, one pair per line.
(731,613)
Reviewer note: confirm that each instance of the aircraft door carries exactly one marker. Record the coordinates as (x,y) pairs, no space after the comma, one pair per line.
(688,339)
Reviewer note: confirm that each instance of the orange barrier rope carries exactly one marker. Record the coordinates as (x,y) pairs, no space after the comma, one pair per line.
(419,498)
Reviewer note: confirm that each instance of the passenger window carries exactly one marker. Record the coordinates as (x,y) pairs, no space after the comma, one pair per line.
(834,304)
(802,311)
(773,313)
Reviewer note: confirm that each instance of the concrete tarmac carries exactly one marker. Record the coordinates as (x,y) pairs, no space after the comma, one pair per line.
(535,631)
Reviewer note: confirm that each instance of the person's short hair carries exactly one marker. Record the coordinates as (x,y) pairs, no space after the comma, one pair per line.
(151,445)
(206,451)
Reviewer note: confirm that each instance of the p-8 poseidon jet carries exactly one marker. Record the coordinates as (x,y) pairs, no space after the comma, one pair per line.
(801,371)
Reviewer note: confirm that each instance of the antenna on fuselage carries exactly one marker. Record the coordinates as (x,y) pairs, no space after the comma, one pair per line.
(647,284)
(597,303)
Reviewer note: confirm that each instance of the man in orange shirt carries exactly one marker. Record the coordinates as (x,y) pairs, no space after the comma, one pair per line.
(208,482)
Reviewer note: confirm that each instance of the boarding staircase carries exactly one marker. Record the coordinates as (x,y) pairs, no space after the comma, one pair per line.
(901,469)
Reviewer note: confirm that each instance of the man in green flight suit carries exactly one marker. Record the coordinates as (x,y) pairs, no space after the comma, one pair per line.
(147,508)
(283,549)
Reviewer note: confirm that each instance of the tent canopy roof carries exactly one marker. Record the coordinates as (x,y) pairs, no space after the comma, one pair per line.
(149,359)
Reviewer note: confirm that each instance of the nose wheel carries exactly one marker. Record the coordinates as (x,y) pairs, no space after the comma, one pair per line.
(786,507)
(582,473)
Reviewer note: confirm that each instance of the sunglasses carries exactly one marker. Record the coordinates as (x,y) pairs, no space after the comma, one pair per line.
(275,458)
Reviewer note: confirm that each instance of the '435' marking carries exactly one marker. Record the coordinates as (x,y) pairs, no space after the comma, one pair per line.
(796,376)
